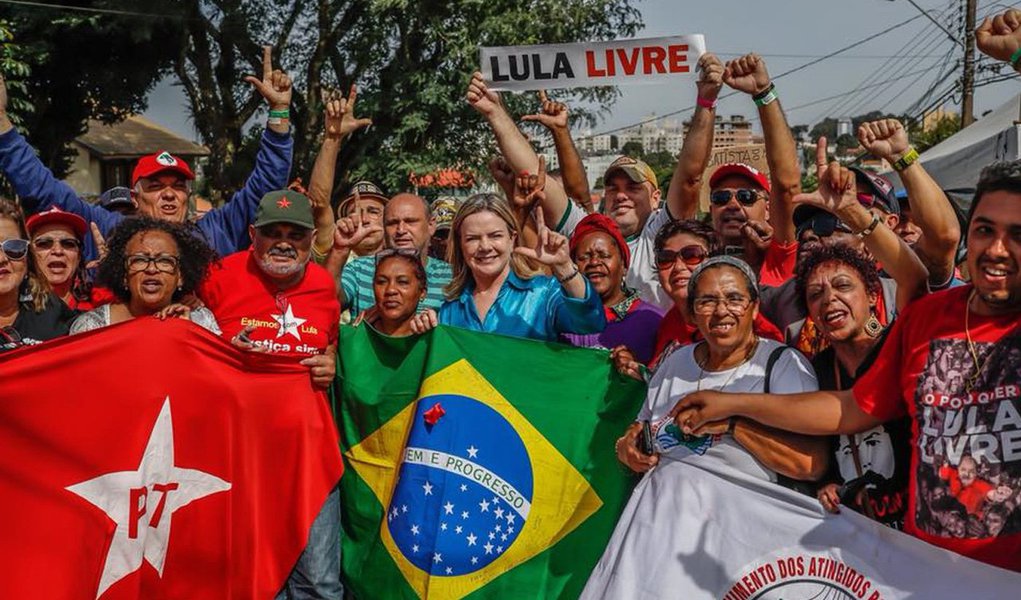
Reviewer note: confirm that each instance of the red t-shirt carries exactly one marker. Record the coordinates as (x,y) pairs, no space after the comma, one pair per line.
(923,371)
(673,328)
(778,264)
(299,321)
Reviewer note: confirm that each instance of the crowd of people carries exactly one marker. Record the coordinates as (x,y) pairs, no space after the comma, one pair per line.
(829,341)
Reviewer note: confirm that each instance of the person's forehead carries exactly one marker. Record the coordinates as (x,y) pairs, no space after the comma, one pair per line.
(405,207)
(282,229)
(682,239)
(50,229)
(620,179)
(373,204)
(832,269)
(394,265)
(152,239)
(484,220)
(598,240)
(1001,207)
(9,228)
(164,177)
(736,181)
(722,277)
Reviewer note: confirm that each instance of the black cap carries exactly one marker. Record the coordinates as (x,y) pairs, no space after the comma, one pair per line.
(116,196)
(881,190)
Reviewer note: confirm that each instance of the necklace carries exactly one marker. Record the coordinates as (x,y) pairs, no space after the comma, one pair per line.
(979,365)
(701,366)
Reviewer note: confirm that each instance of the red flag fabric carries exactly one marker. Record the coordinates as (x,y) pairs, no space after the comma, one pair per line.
(152,460)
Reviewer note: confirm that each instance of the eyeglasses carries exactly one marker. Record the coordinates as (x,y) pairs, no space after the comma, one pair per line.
(14,249)
(692,256)
(388,252)
(735,304)
(745,196)
(165,263)
(46,243)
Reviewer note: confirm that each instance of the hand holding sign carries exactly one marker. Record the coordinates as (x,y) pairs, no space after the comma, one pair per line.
(551,114)
(710,78)
(481,97)
(747,74)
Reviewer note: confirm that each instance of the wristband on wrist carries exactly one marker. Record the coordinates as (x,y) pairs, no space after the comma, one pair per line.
(277,117)
(907,160)
(1015,58)
(569,277)
(765,96)
(864,233)
(705,103)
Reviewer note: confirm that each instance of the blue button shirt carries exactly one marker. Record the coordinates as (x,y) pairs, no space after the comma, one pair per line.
(534,308)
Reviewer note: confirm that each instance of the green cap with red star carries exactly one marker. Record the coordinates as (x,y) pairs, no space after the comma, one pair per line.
(285,206)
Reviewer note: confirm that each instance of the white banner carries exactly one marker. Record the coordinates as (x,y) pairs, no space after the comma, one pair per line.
(622,62)
(690,533)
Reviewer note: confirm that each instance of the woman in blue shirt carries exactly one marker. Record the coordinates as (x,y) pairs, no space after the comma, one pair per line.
(494,290)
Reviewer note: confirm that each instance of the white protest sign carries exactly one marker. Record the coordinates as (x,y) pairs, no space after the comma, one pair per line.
(622,62)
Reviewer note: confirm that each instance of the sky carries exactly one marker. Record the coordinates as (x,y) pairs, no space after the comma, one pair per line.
(889,73)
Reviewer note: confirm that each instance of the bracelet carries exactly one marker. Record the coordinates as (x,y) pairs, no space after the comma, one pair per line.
(705,103)
(1014,58)
(907,160)
(765,96)
(569,277)
(283,113)
(864,233)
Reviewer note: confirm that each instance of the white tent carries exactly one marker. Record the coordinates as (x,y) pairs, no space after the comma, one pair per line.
(955,163)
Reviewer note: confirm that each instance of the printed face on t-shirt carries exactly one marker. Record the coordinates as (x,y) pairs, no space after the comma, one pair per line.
(969,439)
(875,451)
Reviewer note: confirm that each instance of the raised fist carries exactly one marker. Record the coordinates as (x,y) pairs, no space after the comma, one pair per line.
(886,139)
(481,98)
(1000,36)
(710,78)
(747,74)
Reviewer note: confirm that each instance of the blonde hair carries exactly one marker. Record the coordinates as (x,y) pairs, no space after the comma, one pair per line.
(33,285)
(458,266)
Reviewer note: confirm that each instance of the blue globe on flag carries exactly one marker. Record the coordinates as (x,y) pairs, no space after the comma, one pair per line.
(464,489)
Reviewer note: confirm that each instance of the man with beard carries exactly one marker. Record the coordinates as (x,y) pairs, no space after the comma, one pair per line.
(271,299)
(979,321)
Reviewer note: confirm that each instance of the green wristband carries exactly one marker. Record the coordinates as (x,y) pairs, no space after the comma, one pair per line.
(280,114)
(1014,58)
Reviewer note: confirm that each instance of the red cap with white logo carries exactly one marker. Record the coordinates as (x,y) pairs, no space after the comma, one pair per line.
(158,163)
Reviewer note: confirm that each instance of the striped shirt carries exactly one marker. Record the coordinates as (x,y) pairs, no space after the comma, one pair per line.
(356,281)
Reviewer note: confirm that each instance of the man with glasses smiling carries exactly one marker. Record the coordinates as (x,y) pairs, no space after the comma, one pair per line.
(272,299)
(161,182)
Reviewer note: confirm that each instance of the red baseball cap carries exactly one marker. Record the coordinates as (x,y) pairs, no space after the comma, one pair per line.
(55,215)
(158,163)
(741,169)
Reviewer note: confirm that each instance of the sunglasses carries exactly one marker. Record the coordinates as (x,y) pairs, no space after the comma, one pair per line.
(745,196)
(388,252)
(14,249)
(692,256)
(824,224)
(46,243)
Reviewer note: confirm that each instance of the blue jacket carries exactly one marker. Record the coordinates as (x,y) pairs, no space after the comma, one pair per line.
(533,308)
(224,228)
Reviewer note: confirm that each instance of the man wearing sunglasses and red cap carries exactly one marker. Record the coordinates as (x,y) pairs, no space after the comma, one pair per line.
(161,182)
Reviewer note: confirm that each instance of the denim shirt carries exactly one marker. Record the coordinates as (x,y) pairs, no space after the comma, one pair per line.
(534,308)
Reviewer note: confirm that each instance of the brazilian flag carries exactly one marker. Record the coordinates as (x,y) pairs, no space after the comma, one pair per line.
(477,465)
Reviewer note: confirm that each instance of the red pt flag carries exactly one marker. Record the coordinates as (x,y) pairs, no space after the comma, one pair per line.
(151,460)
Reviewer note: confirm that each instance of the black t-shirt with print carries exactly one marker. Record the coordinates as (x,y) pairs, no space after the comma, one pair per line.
(37,327)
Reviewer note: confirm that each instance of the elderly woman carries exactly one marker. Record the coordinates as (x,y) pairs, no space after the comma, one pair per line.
(723,300)
(398,286)
(601,254)
(494,290)
(28,313)
(840,288)
(150,266)
(57,237)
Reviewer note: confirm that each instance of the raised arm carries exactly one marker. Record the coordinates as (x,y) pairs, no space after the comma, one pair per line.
(930,208)
(836,194)
(1000,37)
(748,74)
(348,234)
(686,183)
(513,145)
(272,165)
(340,121)
(553,115)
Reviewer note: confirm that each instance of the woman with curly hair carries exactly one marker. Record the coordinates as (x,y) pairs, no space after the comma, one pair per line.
(840,290)
(28,313)
(150,266)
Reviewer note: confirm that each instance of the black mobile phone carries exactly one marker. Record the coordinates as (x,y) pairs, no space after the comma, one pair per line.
(645,439)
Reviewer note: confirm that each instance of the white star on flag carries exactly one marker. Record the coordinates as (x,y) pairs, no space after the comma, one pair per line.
(489,548)
(449,570)
(471,539)
(472,451)
(484,506)
(443,526)
(159,488)
(499,549)
(288,323)
(437,557)
(428,489)
(458,529)
(404,508)
(464,488)
(464,514)
(510,518)
(449,508)
(414,548)
(499,513)
(475,560)
(414,529)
